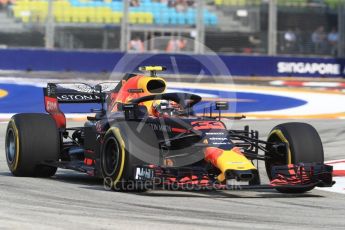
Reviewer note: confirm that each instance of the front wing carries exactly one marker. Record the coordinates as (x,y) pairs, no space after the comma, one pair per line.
(196,178)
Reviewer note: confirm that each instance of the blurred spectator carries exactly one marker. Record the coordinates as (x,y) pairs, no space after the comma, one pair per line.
(176,45)
(181,5)
(300,40)
(191,3)
(134,3)
(290,40)
(332,39)
(171,3)
(255,42)
(318,39)
(136,45)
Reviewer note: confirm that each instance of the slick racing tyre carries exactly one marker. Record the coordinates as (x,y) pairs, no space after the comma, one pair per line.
(303,146)
(113,159)
(31,140)
(118,160)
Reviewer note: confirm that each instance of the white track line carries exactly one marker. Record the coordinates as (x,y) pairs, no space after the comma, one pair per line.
(339,187)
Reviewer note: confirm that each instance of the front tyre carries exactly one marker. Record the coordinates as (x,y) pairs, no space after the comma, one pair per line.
(303,146)
(31,139)
(117,164)
(113,157)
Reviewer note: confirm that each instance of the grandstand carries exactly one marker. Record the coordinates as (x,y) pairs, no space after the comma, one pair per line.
(296,3)
(107,12)
(231,26)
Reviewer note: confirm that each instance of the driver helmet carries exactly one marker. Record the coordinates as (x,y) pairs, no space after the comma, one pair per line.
(161,108)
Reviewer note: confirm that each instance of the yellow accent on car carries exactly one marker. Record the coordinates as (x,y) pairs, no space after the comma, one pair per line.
(17,144)
(232,160)
(144,81)
(281,136)
(152,68)
(142,84)
(117,134)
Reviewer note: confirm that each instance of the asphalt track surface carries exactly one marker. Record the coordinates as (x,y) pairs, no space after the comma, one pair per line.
(74,201)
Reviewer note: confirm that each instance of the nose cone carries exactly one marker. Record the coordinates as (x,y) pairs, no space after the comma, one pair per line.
(229,161)
(239,175)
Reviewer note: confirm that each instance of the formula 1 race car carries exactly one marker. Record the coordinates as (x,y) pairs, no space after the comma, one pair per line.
(143,138)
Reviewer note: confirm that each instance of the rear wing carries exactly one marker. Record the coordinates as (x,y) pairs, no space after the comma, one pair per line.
(79,92)
(56,93)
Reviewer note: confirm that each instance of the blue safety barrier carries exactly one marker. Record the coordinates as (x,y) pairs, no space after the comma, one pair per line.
(89,61)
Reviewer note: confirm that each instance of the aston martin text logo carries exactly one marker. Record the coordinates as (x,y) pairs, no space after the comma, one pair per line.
(77,97)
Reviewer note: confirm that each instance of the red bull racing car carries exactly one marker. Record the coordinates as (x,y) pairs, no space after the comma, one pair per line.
(143,137)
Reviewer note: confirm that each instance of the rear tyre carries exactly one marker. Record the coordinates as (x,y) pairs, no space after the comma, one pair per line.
(304,146)
(31,140)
